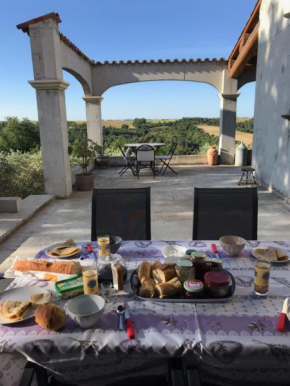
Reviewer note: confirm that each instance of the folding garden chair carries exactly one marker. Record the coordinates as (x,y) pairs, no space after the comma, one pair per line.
(166,159)
(130,162)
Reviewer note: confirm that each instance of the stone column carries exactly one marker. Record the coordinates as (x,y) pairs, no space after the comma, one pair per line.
(49,85)
(94,118)
(228,115)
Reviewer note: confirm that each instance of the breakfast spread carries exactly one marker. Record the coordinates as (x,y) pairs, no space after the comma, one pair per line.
(50,316)
(14,310)
(63,267)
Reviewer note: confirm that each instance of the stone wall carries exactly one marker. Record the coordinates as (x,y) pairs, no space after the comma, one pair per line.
(271,147)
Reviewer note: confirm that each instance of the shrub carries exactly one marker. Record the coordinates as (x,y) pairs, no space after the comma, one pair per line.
(21,174)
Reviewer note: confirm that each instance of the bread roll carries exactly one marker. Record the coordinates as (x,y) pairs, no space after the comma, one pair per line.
(50,316)
(155,265)
(147,289)
(143,271)
(164,273)
(65,267)
(171,288)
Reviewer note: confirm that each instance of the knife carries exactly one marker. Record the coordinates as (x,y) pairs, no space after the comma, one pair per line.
(129,324)
(215,251)
(282,317)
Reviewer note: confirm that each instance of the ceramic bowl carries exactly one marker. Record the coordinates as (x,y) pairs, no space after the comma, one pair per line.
(232,245)
(173,253)
(86,310)
(115,243)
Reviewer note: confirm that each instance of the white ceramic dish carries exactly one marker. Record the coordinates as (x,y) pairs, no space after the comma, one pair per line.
(232,245)
(74,255)
(173,253)
(85,310)
(22,294)
(275,261)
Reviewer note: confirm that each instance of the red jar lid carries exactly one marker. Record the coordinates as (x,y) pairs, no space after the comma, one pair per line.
(216,279)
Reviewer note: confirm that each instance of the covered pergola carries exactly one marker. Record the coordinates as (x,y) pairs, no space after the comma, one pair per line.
(52,53)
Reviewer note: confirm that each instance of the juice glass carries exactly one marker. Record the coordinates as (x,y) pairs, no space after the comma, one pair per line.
(262,277)
(90,280)
(104,245)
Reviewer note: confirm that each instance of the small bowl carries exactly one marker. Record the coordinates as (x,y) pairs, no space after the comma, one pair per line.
(85,310)
(115,243)
(232,245)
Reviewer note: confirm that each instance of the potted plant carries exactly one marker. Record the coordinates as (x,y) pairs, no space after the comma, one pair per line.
(85,150)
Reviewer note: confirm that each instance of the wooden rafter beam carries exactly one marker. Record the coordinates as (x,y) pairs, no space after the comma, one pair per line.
(247,52)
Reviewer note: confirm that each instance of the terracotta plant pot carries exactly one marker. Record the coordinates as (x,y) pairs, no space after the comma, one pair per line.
(84,182)
(212,155)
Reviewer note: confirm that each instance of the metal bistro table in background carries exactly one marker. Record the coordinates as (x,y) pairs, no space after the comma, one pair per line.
(133,146)
(236,342)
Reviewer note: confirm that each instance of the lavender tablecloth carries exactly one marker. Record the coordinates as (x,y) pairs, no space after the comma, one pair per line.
(236,340)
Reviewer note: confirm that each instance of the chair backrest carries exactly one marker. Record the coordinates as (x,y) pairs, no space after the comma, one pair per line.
(121,212)
(173,147)
(145,153)
(225,211)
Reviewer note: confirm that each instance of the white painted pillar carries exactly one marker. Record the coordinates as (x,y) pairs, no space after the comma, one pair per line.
(49,85)
(228,115)
(94,118)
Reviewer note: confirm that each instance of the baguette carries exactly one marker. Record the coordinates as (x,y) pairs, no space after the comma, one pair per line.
(143,271)
(164,273)
(64,267)
(171,288)
(147,289)
(154,266)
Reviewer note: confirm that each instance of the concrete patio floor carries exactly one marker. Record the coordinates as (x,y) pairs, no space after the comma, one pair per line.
(171,210)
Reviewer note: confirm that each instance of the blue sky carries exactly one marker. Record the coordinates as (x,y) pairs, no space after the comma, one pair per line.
(127,29)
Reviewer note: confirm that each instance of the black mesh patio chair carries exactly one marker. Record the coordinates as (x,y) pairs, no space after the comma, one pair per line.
(145,157)
(166,159)
(225,211)
(121,212)
(130,162)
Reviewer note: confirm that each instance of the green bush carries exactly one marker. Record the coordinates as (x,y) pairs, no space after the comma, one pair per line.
(21,174)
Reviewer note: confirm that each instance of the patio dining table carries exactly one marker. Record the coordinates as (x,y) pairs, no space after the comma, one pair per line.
(233,343)
(135,145)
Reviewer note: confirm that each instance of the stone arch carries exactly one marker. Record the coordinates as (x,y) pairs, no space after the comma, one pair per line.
(82,81)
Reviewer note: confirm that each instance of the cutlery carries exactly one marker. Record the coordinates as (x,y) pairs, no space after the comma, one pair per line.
(283,316)
(129,324)
(215,251)
(120,312)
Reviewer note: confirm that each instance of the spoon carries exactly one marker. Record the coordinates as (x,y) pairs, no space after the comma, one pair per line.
(120,311)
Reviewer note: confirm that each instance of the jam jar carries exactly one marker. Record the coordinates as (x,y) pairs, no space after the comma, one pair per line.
(217,284)
(201,264)
(194,289)
(216,265)
(184,270)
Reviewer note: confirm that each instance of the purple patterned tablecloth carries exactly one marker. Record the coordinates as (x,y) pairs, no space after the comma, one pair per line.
(235,341)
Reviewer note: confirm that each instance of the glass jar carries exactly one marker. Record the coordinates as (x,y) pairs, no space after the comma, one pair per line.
(184,270)
(201,265)
(104,267)
(194,289)
(217,284)
(216,265)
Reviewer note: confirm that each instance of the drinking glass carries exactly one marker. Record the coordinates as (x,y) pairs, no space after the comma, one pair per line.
(104,245)
(262,277)
(106,289)
(90,280)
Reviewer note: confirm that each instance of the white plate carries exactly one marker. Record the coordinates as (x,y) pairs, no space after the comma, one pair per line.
(78,254)
(22,294)
(275,261)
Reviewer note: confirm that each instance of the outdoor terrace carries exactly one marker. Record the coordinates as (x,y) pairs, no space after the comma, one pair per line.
(171,210)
